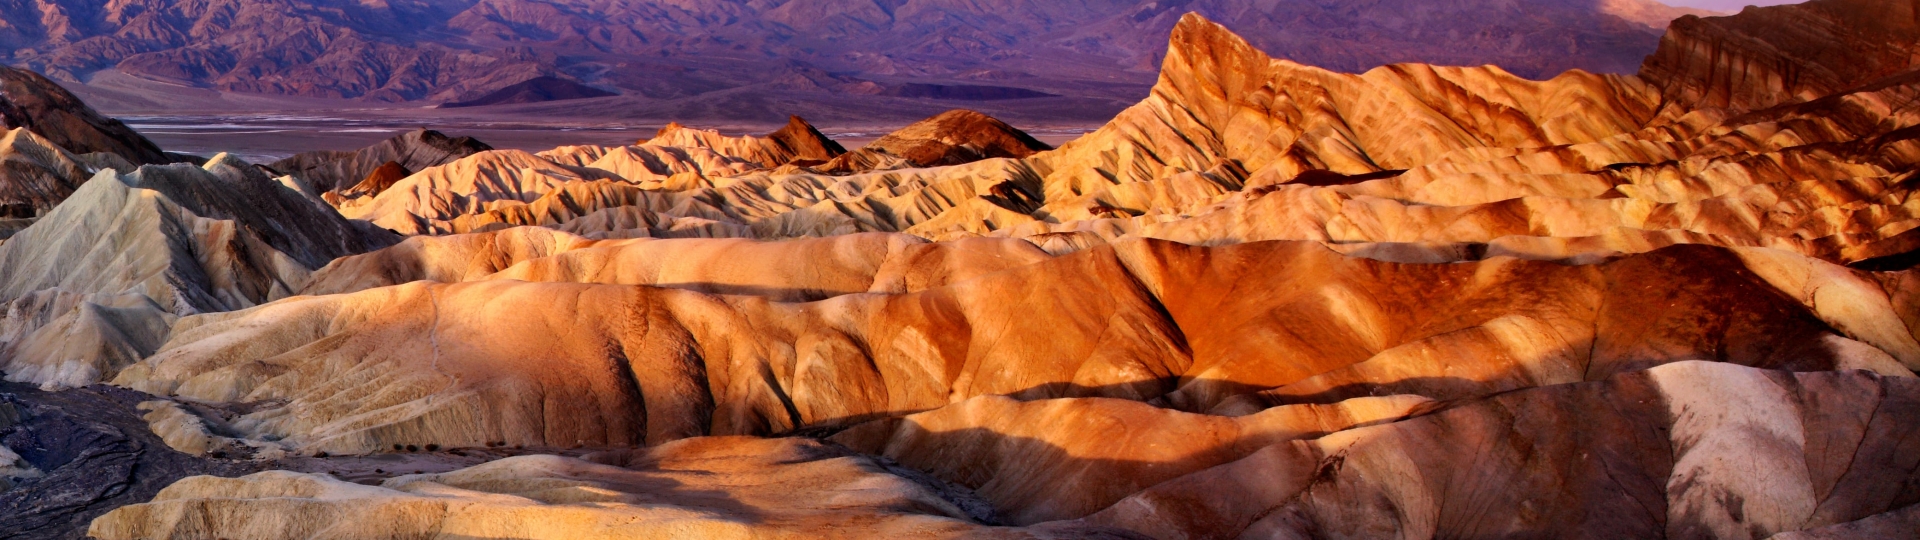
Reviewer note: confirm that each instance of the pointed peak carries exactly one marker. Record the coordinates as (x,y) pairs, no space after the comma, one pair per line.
(805,141)
(669,128)
(1197,35)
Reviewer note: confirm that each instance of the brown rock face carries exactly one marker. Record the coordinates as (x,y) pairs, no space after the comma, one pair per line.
(797,142)
(35,174)
(1784,54)
(952,138)
(379,180)
(1054,459)
(805,142)
(411,151)
(535,90)
(28,100)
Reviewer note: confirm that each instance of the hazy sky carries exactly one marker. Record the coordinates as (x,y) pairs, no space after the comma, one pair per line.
(1727,5)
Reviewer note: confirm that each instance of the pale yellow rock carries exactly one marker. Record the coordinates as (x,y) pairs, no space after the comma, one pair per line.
(698,488)
(57,339)
(790,271)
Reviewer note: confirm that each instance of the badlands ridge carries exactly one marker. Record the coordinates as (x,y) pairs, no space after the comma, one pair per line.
(1270,300)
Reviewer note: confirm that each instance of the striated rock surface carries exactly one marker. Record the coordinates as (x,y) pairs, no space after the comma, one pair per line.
(35,174)
(1065,458)
(1270,300)
(951,138)
(28,100)
(793,271)
(798,141)
(194,239)
(1692,449)
(411,151)
(94,283)
(1689,450)
(59,339)
(1144,320)
(1784,54)
(710,488)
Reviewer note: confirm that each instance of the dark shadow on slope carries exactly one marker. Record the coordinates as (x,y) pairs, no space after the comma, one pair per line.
(97,453)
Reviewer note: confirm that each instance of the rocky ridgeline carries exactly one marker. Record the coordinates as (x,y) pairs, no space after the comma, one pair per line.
(854,58)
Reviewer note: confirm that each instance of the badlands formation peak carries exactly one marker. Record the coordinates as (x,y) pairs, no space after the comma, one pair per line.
(1269,300)
(951,138)
(845,60)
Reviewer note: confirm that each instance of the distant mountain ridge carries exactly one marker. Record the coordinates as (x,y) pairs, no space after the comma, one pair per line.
(458,50)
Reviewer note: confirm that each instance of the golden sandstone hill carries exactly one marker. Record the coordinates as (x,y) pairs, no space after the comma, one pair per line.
(1270,300)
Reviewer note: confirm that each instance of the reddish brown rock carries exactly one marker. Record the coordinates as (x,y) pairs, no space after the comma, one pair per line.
(1778,55)
(951,138)
(411,151)
(379,180)
(28,100)
(35,174)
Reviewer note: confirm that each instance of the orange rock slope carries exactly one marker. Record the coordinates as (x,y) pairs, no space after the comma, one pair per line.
(1268,301)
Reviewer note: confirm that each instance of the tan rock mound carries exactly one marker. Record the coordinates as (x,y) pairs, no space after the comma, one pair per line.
(194,239)
(60,339)
(469,185)
(1691,449)
(94,283)
(798,141)
(791,271)
(706,488)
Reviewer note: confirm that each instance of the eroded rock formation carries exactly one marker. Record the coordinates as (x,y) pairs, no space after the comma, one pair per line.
(1143,320)
(1690,450)
(93,284)
(709,488)
(411,151)
(28,100)
(1271,300)
(951,138)
(1769,57)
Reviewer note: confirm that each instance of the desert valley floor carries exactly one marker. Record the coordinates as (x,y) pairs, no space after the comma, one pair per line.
(1270,300)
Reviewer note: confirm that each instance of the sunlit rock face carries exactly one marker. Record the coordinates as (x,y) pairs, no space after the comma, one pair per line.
(1269,300)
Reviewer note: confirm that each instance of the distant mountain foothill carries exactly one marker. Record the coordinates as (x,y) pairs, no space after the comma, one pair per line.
(733,57)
